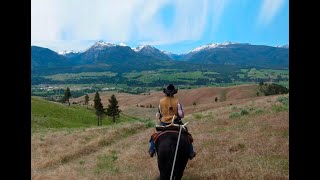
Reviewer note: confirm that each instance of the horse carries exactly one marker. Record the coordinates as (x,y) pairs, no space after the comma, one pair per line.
(166,144)
(166,147)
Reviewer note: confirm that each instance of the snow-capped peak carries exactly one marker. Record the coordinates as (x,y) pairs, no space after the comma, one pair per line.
(102,43)
(213,45)
(138,48)
(67,52)
(122,44)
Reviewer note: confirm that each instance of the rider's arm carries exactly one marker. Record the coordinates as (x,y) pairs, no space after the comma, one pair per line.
(180,111)
(159,112)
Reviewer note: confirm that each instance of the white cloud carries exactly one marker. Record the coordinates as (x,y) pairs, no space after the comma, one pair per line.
(121,20)
(269,9)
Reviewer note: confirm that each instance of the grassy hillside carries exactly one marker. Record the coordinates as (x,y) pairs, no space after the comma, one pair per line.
(46,114)
(246,140)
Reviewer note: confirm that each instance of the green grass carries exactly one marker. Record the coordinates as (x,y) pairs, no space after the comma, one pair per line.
(46,114)
(197,115)
(235,115)
(284,100)
(79,76)
(148,122)
(107,163)
(244,112)
(279,108)
(284,106)
(265,74)
(259,111)
(151,79)
(167,75)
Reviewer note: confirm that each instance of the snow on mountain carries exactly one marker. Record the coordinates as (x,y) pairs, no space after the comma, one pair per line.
(68,52)
(100,45)
(103,44)
(122,44)
(138,48)
(283,46)
(146,47)
(213,45)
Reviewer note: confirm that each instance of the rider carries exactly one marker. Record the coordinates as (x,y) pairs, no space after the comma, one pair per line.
(168,107)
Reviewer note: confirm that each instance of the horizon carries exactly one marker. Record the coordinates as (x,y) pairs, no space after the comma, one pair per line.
(173,26)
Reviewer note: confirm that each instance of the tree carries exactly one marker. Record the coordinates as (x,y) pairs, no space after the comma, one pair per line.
(113,108)
(86,100)
(67,95)
(261,83)
(216,99)
(98,107)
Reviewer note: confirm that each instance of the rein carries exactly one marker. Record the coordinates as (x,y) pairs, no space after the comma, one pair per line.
(175,155)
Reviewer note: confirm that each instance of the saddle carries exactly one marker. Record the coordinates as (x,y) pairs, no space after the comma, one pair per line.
(160,130)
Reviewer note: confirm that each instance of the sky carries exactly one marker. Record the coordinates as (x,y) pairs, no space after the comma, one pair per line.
(176,26)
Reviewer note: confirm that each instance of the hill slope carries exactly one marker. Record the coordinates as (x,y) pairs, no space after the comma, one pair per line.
(230,144)
(51,115)
(46,114)
(203,97)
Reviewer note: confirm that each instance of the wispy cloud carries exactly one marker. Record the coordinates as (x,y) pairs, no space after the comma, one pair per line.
(122,20)
(268,10)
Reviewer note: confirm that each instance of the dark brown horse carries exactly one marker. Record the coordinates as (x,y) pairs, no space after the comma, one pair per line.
(165,148)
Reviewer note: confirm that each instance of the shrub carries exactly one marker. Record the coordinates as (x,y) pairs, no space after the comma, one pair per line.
(194,103)
(244,112)
(259,111)
(198,116)
(149,124)
(283,100)
(234,115)
(279,108)
(272,89)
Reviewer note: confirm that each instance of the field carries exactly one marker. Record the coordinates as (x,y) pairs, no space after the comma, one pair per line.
(242,137)
(79,76)
(137,82)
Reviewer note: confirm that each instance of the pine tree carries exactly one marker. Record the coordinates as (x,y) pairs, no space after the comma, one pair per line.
(98,107)
(67,95)
(86,100)
(113,108)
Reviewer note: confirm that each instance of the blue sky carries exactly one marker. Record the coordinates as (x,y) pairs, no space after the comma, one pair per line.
(176,26)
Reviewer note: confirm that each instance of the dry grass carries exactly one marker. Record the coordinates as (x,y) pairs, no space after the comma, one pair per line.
(253,146)
(204,95)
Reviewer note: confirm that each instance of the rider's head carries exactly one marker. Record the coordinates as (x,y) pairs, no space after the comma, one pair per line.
(170,90)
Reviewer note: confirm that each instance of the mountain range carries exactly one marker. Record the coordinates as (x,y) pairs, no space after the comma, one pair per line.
(123,58)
